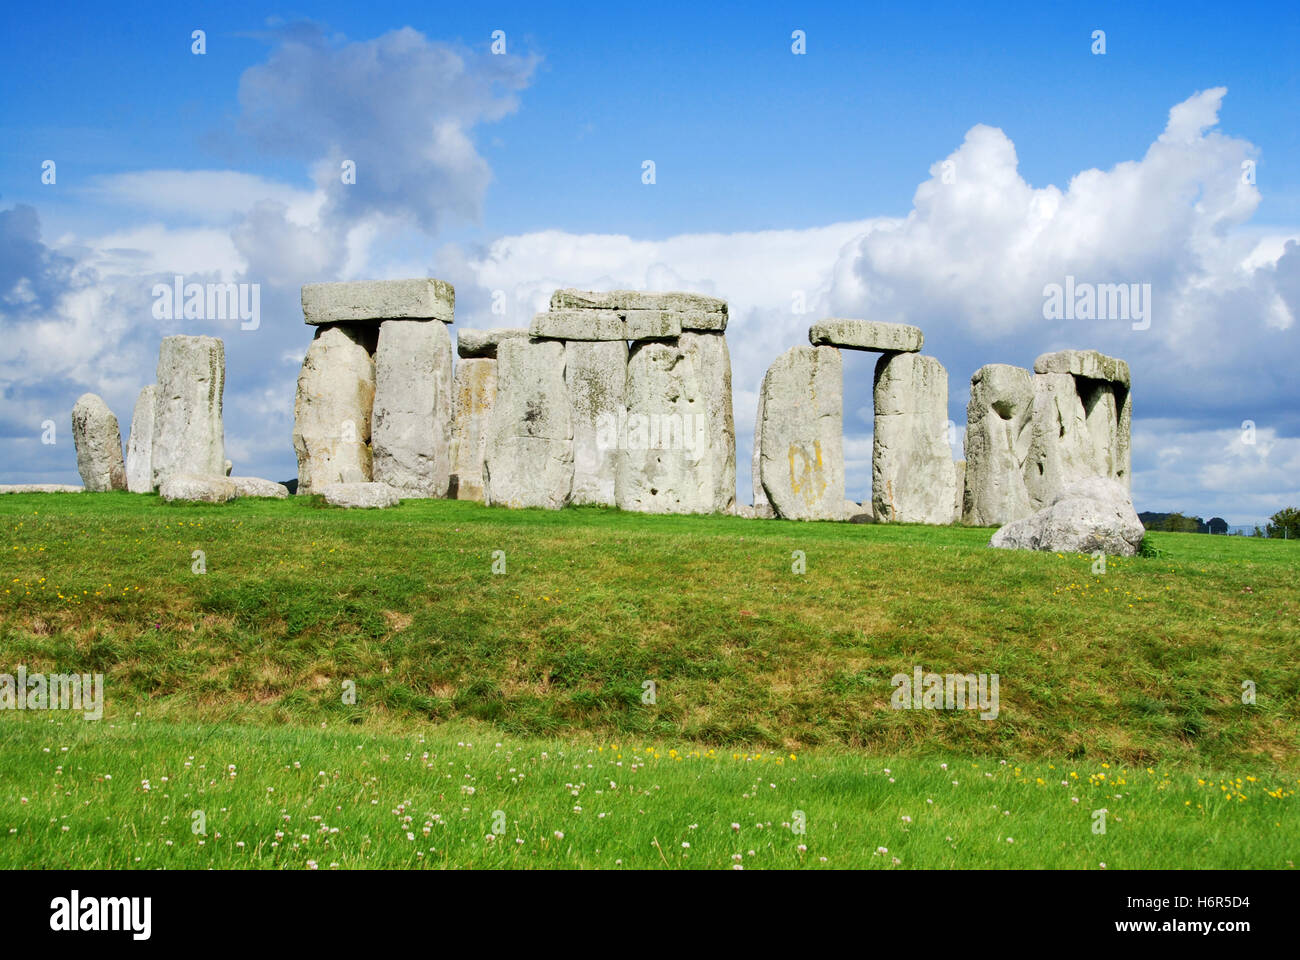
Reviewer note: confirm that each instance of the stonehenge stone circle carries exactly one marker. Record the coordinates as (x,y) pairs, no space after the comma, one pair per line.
(800,434)
(373,301)
(331,414)
(98,442)
(139,448)
(188,434)
(410,431)
(528,461)
(913,479)
(595,373)
(1088,515)
(867,335)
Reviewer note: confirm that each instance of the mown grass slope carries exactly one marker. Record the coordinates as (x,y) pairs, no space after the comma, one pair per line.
(1143,663)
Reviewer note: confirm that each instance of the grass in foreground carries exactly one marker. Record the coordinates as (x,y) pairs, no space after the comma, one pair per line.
(104,795)
(1145,663)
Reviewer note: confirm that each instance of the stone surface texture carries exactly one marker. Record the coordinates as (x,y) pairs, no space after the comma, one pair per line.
(410,426)
(98,442)
(188,431)
(1089,515)
(913,479)
(528,460)
(336,392)
(373,301)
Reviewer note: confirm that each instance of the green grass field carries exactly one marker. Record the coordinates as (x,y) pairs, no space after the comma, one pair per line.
(1140,668)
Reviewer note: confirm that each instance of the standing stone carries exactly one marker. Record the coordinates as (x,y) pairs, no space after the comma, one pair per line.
(912,474)
(98,442)
(800,434)
(331,412)
(595,374)
(1061,447)
(999,421)
(474,395)
(666,466)
(712,362)
(959,500)
(139,448)
(411,419)
(188,435)
(762,506)
(528,461)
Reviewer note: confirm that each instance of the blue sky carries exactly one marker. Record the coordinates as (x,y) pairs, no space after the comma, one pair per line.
(767,149)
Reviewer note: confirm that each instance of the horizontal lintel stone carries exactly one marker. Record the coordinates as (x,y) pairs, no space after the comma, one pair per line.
(378,300)
(867,335)
(677,302)
(1084,363)
(568,324)
(483,343)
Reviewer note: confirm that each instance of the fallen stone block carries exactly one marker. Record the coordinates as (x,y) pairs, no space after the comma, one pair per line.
(372,301)
(360,495)
(1094,514)
(257,487)
(40,488)
(197,488)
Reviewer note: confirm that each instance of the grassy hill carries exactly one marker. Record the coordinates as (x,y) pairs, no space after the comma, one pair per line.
(1143,663)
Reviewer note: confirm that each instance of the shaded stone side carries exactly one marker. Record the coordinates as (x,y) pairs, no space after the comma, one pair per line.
(474,394)
(331,412)
(139,448)
(595,374)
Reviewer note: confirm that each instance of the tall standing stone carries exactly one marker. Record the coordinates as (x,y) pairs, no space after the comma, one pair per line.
(712,361)
(999,418)
(473,397)
(331,411)
(98,442)
(188,434)
(913,478)
(411,418)
(139,448)
(595,373)
(666,466)
(801,434)
(528,460)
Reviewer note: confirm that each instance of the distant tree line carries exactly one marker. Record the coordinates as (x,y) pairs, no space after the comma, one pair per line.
(1285,524)
(1181,523)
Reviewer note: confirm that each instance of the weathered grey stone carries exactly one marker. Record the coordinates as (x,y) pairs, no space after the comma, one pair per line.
(98,442)
(528,461)
(999,419)
(473,344)
(188,432)
(376,300)
(800,428)
(257,487)
(203,488)
(1092,514)
(40,488)
(606,325)
(1084,363)
(867,335)
(410,426)
(596,377)
(761,504)
(913,479)
(331,411)
(139,448)
(473,396)
(698,305)
(712,363)
(228,469)
(960,469)
(360,495)
(667,465)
